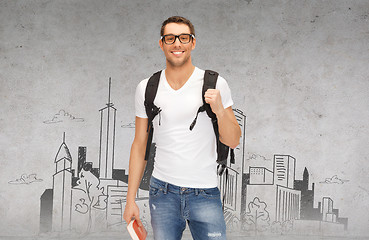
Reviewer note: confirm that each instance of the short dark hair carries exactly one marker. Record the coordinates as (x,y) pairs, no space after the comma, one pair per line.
(177,19)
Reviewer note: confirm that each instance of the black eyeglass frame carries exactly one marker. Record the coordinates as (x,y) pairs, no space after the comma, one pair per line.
(162,38)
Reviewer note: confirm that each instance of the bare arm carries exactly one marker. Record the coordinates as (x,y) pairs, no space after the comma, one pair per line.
(137,166)
(229,130)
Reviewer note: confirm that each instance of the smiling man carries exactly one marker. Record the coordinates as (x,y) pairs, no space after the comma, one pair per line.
(183,187)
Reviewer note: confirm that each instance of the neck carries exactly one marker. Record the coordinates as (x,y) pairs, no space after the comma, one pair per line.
(177,76)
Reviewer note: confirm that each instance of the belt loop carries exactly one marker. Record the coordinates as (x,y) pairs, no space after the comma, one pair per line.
(166,188)
(196,191)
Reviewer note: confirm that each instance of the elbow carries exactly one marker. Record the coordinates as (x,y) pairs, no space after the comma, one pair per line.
(236,140)
(234,144)
(232,140)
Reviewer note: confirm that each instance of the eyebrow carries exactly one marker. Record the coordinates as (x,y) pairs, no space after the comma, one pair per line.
(177,34)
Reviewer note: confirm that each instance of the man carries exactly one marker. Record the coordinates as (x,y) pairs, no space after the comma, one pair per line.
(183,187)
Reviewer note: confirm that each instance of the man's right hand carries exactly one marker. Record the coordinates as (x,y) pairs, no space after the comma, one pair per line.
(131,212)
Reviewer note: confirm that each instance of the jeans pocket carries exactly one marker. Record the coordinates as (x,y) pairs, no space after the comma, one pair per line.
(154,191)
(210,193)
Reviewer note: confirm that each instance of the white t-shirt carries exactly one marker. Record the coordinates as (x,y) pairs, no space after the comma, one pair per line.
(183,157)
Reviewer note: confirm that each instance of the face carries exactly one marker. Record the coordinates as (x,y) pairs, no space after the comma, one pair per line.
(177,54)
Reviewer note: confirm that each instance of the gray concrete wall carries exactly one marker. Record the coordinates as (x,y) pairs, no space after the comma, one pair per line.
(297,69)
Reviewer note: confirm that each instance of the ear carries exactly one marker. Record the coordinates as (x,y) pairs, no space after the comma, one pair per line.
(161,44)
(193,43)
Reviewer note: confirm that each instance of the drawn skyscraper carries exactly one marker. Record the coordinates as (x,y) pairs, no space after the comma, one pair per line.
(327,210)
(62,189)
(284,171)
(308,212)
(46,211)
(107,139)
(230,183)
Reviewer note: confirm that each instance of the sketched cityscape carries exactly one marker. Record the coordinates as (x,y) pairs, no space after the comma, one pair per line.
(255,198)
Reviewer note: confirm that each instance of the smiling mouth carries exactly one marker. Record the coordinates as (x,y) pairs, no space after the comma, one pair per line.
(177,52)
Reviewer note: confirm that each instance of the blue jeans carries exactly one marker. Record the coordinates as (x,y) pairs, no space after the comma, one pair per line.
(172,206)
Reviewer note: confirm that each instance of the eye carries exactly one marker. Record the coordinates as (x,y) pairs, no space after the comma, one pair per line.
(169,38)
(184,37)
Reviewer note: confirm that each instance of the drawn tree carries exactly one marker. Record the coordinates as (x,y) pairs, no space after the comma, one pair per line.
(257,217)
(287,226)
(95,197)
(276,227)
(281,227)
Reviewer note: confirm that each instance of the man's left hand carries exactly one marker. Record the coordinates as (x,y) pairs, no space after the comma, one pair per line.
(212,97)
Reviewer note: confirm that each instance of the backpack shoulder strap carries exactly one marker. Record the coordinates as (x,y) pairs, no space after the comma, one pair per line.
(151,109)
(150,92)
(210,82)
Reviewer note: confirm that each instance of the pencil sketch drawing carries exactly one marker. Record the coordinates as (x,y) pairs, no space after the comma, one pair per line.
(63,116)
(26,179)
(255,198)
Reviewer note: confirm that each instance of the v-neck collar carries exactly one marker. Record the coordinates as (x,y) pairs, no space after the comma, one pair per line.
(167,85)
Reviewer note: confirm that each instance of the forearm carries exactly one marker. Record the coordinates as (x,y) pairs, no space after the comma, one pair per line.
(229,130)
(137,166)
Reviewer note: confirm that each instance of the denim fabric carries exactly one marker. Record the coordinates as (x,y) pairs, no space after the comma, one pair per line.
(172,206)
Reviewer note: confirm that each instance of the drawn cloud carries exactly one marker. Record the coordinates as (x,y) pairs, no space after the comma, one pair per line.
(256,157)
(63,116)
(26,179)
(129,125)
(334,180)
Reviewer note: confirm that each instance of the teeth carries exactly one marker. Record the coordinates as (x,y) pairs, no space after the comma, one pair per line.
(177,52)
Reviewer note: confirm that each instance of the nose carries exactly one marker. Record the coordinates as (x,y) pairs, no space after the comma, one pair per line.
(176,41)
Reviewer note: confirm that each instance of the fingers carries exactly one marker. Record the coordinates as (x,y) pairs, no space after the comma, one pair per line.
(138,220)
(212,96)
(128,218)
(212,92)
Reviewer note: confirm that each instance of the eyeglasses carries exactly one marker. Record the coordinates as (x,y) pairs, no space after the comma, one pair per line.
(183,38)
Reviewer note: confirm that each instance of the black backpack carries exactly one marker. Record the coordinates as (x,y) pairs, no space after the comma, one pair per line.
(210,80)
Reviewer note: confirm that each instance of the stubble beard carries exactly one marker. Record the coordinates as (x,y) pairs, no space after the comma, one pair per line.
(180,63)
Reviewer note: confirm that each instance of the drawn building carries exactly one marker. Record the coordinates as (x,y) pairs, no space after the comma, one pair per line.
(308,212)
(230,183)
(324,212)
(260,175)
(74,204)
(83,165)
(328,222)
(275,189)
(46,211)
(287,204)
(284,170)
(62,190)
(117,197)
(107,138)
(327,210)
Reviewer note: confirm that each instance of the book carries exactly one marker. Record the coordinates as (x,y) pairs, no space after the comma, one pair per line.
(136,232)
